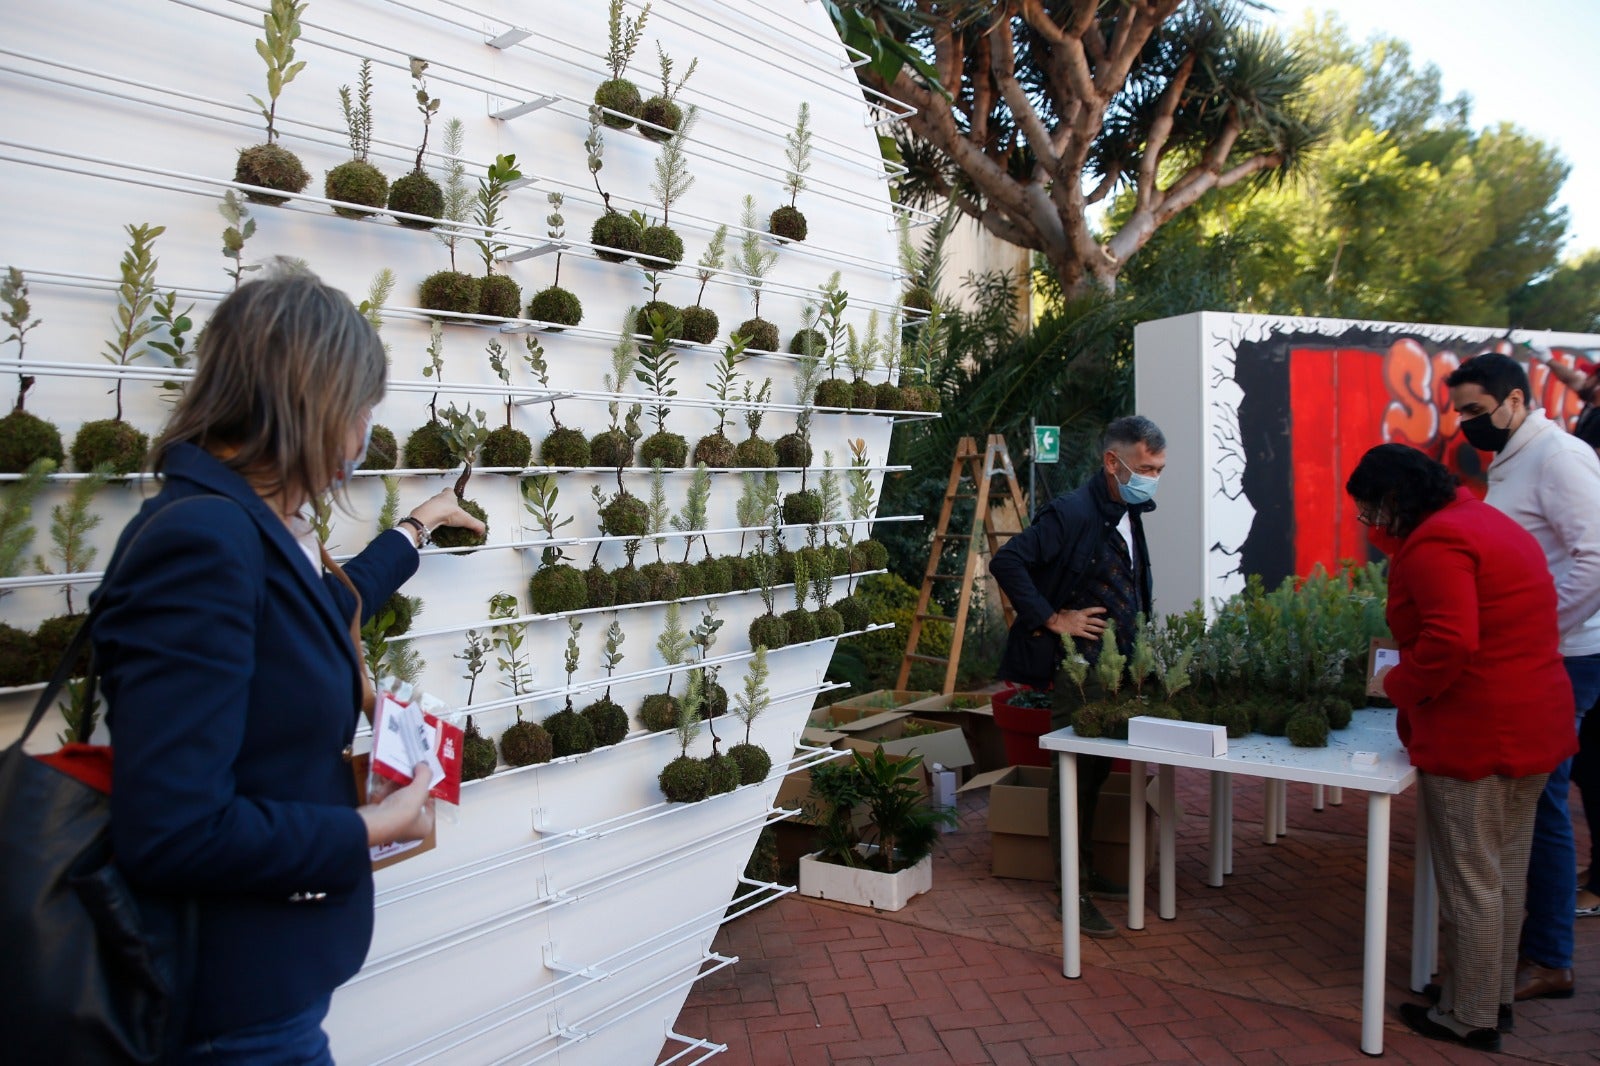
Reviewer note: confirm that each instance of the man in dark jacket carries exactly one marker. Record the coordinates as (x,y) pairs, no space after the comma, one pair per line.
(1080,564)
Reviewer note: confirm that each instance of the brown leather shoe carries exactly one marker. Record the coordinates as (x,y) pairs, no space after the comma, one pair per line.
(1542,982)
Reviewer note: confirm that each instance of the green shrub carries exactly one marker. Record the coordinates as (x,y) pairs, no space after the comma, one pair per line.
(887,598)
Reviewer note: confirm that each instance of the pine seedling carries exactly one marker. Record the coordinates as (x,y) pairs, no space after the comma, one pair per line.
(754,401)
(711,261)
(829,494)
(657,508)
(748,511)
(515,671)
(378,293)
(14,295)
(493,189)
(387,657)
(1109,669)
(16,517)
(70,526)
(820,571)
(389,513)
(1142,663)
(669,88)
(358,113)
(756,259)
(611,657)
(457,196)
(281,26)
(427,105)
(1076,666)
(689,712)
(692,518)
(802,581)
(798,153)
(672,178)
(240,228)
(574,627)
(754,698)
(473,659)
(135,294)
(861,351)
(673,642)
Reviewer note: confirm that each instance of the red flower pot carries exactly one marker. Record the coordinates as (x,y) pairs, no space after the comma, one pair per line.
(1020,728)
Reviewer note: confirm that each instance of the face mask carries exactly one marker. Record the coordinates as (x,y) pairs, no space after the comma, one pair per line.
(1139,488)
(1483,434)
(347,471)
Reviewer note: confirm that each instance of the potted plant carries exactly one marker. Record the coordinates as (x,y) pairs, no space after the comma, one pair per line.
(613,447)
(889,859)
(564,446)
(660,247)
(416,193)
(555,587)
(270,165)
(112,441)
(498,295)
(754,762)
(464,433)
(787,222)
(715,449)
(570,732)
(661,709)
(478,757)
(619,96)
(614,235)
(832,392)
(756,260)
(860,498)
(700,324)
(427,448)
(556,306)
(661,116)
(656,363)
(24,438)
(684,779)
(357,181)
(605,717)
(506,446)
(753,451)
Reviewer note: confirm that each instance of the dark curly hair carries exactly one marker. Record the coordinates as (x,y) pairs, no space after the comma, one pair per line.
(1403,483)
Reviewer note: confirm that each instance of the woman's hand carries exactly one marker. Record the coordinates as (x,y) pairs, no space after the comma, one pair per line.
(404,814)
(445,510)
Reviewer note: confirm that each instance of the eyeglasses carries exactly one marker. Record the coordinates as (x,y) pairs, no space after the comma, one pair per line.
(1371,516)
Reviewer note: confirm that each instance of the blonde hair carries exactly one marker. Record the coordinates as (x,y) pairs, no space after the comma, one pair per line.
(287,366)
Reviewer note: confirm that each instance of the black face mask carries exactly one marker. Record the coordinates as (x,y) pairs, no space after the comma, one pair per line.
(1483,434)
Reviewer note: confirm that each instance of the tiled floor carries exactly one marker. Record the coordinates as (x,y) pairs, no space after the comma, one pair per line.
(1264,970)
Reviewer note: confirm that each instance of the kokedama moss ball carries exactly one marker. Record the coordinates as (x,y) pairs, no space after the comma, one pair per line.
(1234,717)
(715,450)
(886,397)
(660,712)
(660,248)
(451,290)
(690,584)
(607,720)
(570,733)
(556,306)
(909,398)
(739,571)
(525,743)
(1336,709)
(659,111)
(600,586)
(499,296)
(456,537)
(918,298)
(793,450)
(506,446)
(427,448)
(416,194)
(1307,729)
(755,453)
(616,237)
(621,95)
(625,516)
(663,578)
(769,631)
(109,441)
(403,608)
(716,702)
(700,325)
(863,394)
(1268,714)
(785,560)
(382,451)
(684,780)
(802,508)
(272,166)
(17,656)
(478,758)
(670,449)
(760,335)
(564,446)
(829,622)
(1089,721)
(716,576)
(670,317)
(787,222)
(722,774)
(25,439)
(931,400)
(356,182)
(610,448)
(556,589)
(869,555)
(853,613)
(50,642)
(754,762)
(807,342)
(834,393)
(801,625)
(630,586)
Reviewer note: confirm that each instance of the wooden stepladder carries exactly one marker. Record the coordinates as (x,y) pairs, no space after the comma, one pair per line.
(971,476)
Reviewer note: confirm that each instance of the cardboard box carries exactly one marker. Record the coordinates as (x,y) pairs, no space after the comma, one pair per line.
(1019,821)
(944,746)
(984,738)
(1165,734)
(883,699)
(838,716)
(1381,652)
(1109,834)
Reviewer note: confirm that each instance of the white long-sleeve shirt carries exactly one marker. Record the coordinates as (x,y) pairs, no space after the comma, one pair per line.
(1549,482)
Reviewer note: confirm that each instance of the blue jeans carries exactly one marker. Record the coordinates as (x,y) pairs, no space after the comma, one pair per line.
(1547,934)
(295,1040)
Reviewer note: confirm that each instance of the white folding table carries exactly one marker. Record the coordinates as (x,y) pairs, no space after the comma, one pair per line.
(1273,759)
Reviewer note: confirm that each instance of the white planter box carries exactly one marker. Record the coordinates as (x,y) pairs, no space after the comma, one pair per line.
(864,888)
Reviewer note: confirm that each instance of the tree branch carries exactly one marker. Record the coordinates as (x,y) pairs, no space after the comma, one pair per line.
(1003,64)
(1160,130)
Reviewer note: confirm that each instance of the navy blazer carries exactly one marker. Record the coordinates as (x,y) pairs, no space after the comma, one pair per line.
(233,690)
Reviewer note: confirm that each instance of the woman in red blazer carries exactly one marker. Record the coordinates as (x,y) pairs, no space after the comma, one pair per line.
(1485,713)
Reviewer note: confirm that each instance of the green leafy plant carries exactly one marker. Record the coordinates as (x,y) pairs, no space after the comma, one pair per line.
(416,193)
(753,451)
(240,228)
(555,587)
(684,780)
(555,305)
(357,181)
(516,673)
(618,95)
(787,221)
(24,438)
(901,826)
(570,732)
(655,370)
(607,720)
(474,659)
(464,435)
(113,441)
(270,165)
(499,294)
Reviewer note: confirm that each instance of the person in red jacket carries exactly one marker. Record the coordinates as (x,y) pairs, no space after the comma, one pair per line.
(1485,713)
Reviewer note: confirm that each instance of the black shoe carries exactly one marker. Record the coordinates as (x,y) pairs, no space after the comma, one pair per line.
(1092,922)
(1506,1022)
(1098,886)
(1415,1015)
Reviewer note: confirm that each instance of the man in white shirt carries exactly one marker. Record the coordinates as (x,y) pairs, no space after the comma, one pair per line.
(1549,481)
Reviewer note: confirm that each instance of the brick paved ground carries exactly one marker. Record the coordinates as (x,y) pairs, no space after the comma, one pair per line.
(1265,970)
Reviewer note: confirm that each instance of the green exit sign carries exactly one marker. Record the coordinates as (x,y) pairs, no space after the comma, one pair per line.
(1047,444)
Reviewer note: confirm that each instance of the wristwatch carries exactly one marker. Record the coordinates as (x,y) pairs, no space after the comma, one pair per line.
(415,523)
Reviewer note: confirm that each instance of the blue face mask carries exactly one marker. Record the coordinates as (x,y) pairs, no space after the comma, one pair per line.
(347,471)
(1139,488)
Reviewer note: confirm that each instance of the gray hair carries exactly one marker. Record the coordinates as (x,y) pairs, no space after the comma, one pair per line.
(1129,430)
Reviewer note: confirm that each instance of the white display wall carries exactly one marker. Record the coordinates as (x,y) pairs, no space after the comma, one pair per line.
(567,909)
(1265,417)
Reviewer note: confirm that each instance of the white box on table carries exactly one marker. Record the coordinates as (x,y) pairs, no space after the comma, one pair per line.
(1166,734)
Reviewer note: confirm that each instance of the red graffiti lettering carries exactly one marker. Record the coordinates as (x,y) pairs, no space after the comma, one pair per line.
(1411,417)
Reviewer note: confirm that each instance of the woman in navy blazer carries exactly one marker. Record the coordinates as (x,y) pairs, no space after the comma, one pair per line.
(232,678)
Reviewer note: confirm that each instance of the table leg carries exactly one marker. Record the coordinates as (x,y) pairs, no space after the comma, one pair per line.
(1219,828)
(1375,950)
(1168,811)
(1424,910)
(1227,827)
(1071,946)
(1136,844)
(1336,795)
(1269,813)
(1317,802)
(1283,807)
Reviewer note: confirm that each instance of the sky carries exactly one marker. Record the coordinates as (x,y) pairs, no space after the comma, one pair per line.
(1534,63)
